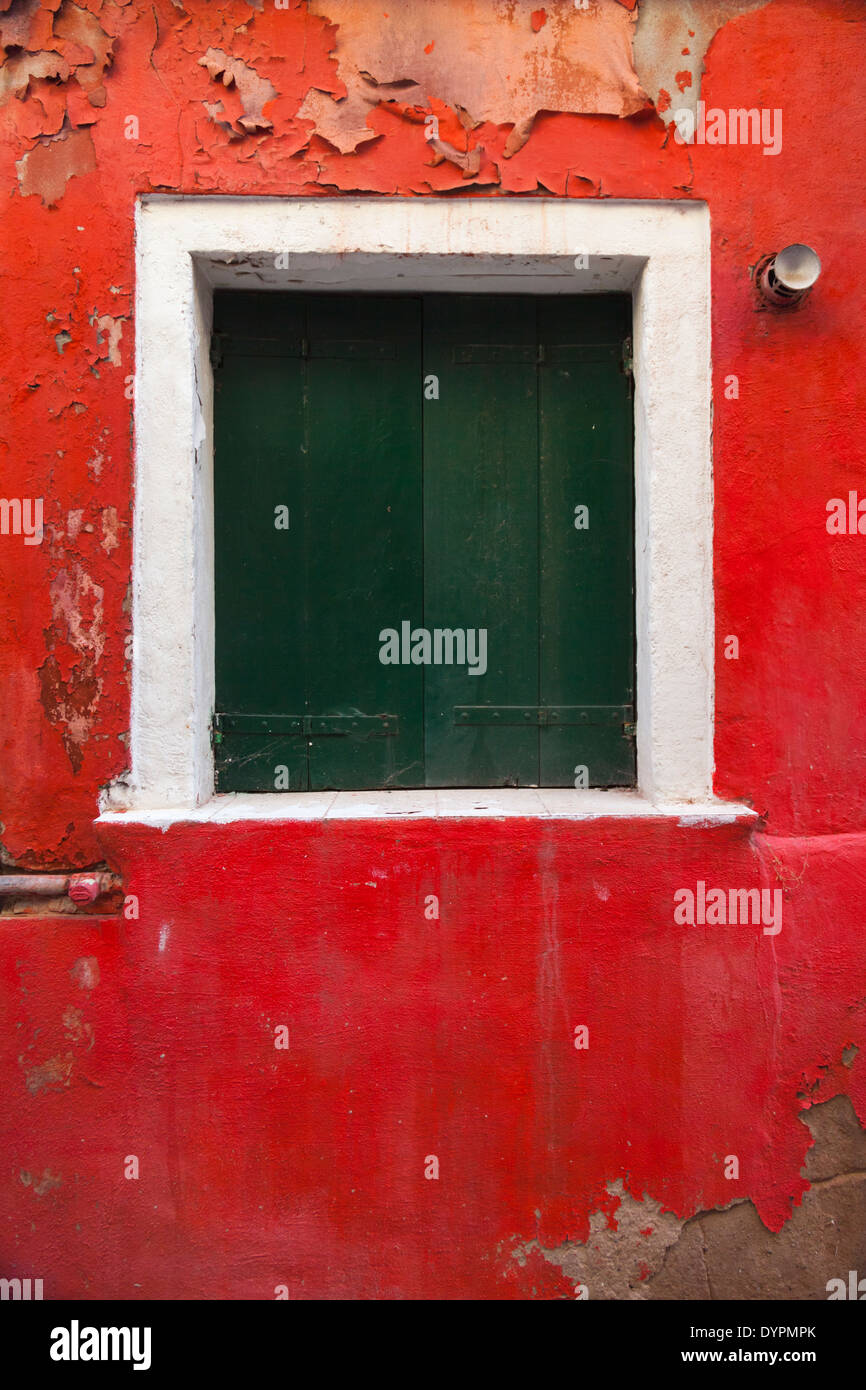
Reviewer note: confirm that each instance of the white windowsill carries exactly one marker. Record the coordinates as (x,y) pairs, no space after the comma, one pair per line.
(559,803)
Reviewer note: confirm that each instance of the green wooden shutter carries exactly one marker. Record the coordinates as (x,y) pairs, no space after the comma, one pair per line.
(261,639)
(333,431)
(481,531)
(432,455)
(364,508)
(586,657)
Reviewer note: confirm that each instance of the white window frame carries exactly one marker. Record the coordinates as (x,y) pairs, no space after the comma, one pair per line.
(657,251)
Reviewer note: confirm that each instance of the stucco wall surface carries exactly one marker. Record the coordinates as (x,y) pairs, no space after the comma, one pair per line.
(413,1037)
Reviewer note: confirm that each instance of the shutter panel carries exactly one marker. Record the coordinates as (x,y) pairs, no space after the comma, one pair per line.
(365,537)
(258,448)
(481,531)
(319,410)
(587,575)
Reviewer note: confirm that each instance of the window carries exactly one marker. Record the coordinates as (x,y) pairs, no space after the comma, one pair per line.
(188,248)
(424,541)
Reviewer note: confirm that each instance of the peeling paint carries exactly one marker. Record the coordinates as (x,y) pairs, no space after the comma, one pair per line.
(667,32)
(254,91)
(626,1243)
(69,675)
(570,61)
(52,1074)
(110,329)
(40,1185)
(47,168)
(77,1029)
(85,972)
(710,1255)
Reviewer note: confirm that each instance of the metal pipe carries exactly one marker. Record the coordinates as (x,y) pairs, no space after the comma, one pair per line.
(81,888)
(33,885)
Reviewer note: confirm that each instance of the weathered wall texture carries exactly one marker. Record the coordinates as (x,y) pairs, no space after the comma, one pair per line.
(411,1037)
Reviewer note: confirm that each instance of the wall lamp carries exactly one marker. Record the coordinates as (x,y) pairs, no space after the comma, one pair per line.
(786,278)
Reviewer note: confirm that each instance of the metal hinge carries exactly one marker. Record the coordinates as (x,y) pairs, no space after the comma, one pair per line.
(305,725)
(543,716)
(216,350)
(627,359)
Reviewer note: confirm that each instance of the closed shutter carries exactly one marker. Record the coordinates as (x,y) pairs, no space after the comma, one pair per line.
(430,457)
(586,558)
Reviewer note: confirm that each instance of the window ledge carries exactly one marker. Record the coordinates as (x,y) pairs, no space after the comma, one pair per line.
(560,803)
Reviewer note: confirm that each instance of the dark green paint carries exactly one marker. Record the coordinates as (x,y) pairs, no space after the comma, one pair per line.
(448,513)
(480,530)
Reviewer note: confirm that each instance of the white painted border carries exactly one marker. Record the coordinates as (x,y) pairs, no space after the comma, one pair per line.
(659,251)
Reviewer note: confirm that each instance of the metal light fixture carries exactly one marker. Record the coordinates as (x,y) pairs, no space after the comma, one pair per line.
(785,278)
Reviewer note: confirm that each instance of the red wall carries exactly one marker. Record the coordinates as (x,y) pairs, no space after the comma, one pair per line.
(412,1037)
